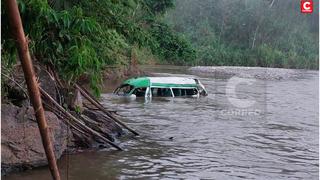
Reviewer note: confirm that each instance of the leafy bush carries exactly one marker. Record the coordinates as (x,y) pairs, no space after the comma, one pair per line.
(67,40)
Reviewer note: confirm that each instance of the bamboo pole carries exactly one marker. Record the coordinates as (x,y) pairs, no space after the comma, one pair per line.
(32,85)
(70,116)
(99,106)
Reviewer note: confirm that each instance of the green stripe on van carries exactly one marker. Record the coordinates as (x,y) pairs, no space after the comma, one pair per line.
(138,82)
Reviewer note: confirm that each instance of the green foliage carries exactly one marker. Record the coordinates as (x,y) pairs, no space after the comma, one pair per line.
(81,38)
(171,47)
(159,6)
(145,56)
(140,23)
(248,32)
(78,109)
(73,43)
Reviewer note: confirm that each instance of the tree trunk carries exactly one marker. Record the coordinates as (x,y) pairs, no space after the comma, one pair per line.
(255,36)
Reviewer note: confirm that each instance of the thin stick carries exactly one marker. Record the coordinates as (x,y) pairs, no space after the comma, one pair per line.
(95,109)
(32,85)
(93,98)
(63,118)
(11,79)
(99,106)
(70,116)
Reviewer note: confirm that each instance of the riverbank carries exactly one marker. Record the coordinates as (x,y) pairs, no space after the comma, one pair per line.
(248,72)
(21,142)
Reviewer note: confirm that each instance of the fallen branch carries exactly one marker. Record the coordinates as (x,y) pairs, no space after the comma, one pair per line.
(71,117)
(15,82)
(95,109)
(96,126)
(99,106)
(56,112)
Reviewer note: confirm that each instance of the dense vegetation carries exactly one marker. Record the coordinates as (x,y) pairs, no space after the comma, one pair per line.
(271,33)
(81,38)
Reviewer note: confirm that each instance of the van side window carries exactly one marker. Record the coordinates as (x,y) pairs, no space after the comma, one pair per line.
(191,92)
(140,92)
(184,92)
(177,92)
(161,92)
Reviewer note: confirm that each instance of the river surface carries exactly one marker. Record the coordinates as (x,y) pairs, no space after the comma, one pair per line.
(271,133)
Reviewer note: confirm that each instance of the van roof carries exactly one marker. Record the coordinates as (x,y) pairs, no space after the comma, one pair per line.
(161,82)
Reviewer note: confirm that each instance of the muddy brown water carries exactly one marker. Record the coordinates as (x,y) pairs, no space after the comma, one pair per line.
(273,135)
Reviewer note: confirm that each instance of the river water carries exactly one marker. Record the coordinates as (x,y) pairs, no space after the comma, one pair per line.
(273,135)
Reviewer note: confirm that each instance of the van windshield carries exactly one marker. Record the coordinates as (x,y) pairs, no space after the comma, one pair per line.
(140,92)
(124,89)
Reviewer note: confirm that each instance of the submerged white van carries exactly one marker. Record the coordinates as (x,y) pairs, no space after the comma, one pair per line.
(161,87)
